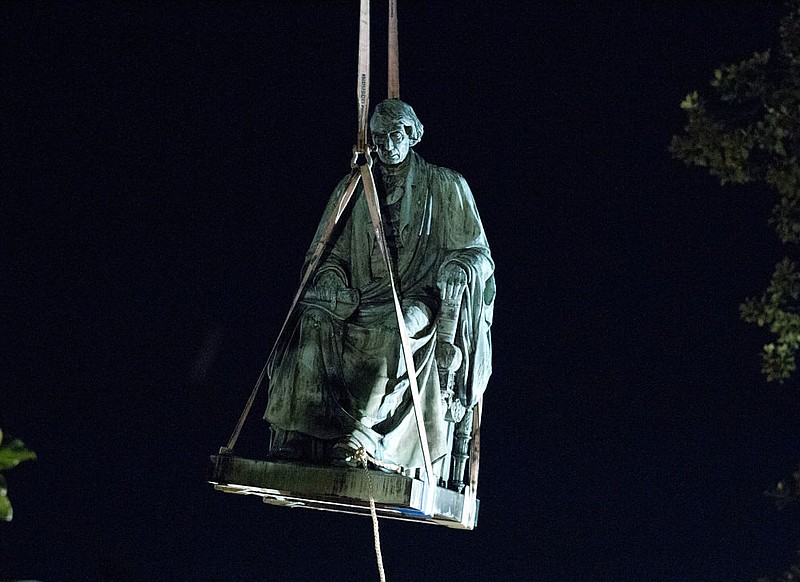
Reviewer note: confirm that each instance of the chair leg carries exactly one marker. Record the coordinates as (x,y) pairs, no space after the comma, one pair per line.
(463,435)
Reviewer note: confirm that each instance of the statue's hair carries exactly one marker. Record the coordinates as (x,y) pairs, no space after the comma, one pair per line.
(396,109)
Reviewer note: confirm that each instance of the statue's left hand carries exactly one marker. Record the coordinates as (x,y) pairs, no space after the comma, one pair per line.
(452,282)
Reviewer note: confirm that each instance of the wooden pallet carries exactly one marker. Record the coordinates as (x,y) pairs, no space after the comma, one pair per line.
(343,490)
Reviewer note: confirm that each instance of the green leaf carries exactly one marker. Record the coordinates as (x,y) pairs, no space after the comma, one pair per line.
(13,454)
(691,101)
(6,511)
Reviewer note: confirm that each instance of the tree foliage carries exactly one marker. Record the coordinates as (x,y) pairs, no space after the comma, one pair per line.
(787,492)
(748,131)
(11,455)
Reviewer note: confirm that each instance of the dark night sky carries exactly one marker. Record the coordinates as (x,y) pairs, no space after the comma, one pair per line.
(163,169)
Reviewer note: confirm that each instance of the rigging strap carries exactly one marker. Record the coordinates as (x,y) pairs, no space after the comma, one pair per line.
(344,200)
(362,90)
(373,204)
(476,448)
(362,93)
(362,170)
(393,91)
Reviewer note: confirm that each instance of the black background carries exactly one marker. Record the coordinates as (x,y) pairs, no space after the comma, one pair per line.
(163,170)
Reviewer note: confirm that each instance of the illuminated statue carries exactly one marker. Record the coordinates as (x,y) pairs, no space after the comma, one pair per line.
(338,380)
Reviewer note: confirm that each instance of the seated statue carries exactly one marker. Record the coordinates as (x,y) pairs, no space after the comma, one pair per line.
(338,380)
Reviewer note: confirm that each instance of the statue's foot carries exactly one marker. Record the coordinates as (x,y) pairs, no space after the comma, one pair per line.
(286,453)
(291,446)
(350,452)
(343,453)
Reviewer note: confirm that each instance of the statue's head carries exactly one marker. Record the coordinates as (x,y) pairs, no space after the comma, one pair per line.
(395,129)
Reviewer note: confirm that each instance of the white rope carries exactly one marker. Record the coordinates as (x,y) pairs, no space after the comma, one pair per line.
(362,456)
(361,452)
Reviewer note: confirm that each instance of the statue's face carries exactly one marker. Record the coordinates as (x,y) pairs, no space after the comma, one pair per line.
(391,140)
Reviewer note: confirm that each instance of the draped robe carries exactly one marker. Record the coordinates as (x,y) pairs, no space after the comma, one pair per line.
(331,378)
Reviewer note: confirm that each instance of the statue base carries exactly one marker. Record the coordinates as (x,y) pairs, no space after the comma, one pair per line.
(343,490)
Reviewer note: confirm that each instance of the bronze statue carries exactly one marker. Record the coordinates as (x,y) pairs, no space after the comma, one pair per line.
(337,379)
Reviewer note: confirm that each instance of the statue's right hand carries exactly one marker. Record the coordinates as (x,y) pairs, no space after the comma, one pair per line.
(328,286)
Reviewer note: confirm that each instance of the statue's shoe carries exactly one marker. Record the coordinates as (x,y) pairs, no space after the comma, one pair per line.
(286,453)
(343,453)
(291,446)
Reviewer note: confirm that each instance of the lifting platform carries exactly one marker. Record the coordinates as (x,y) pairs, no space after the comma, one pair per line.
(342,490)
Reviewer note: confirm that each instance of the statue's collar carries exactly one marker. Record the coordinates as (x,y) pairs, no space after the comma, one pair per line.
(399,172)
(399,179)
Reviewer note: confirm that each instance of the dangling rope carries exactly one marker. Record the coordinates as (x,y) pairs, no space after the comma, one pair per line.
(362,456)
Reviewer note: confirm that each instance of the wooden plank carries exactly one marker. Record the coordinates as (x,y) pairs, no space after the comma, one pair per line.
(341,490)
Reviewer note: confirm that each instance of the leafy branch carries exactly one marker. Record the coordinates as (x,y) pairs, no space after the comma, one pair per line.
(748,131)
(11,455)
